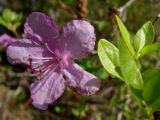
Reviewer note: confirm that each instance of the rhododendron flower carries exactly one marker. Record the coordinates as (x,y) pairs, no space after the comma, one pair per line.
(6,40)
(50,52)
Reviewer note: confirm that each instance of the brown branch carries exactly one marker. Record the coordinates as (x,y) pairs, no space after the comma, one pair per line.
(115,31)
(82,9)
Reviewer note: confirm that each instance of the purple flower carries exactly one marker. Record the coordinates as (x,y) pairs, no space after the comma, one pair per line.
(50,53)
(6,40)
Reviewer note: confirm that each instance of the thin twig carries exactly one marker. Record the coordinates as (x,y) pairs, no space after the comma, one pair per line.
(125,6)
(123,9)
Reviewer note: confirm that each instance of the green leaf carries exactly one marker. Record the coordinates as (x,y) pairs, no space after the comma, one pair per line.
(102,73)
(130,70)
(102,25)
(109,57)
(125,34)
(155,106)
(10,16)
(149,33)
(150,49)
(2,22)
(57,109)
(151,87)
(139,40)
(6,15)
(75,112)
(144,37)
(137,94)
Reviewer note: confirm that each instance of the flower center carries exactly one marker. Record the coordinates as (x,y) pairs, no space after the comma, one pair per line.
(40,64)
(64,57)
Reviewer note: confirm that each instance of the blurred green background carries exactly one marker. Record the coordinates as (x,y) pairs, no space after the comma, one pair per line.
(113,101)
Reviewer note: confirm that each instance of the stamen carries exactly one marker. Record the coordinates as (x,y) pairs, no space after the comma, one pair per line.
(43,68)
(30,62)
(38,61)
(49,49)
(42,58)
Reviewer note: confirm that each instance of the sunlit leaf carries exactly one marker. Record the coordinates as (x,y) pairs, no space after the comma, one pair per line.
(129,67)
(6,14)
(10,16)
(10,19)
(125,34)
(139,40)
(149,33)
(109,57)
(143,37)
(130,70)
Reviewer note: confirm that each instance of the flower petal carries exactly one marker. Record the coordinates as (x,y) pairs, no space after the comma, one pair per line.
(47,89)
(21,51)
(83,82)
(78,38)
(6,40)
(41,28)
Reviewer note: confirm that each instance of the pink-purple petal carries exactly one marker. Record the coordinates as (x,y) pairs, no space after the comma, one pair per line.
(6,40)
(41,28)
(78,38)
(82,81)
(21,51)
(47,89)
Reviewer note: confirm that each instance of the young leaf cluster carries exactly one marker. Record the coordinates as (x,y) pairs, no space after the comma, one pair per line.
(123,62)
(11,20)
